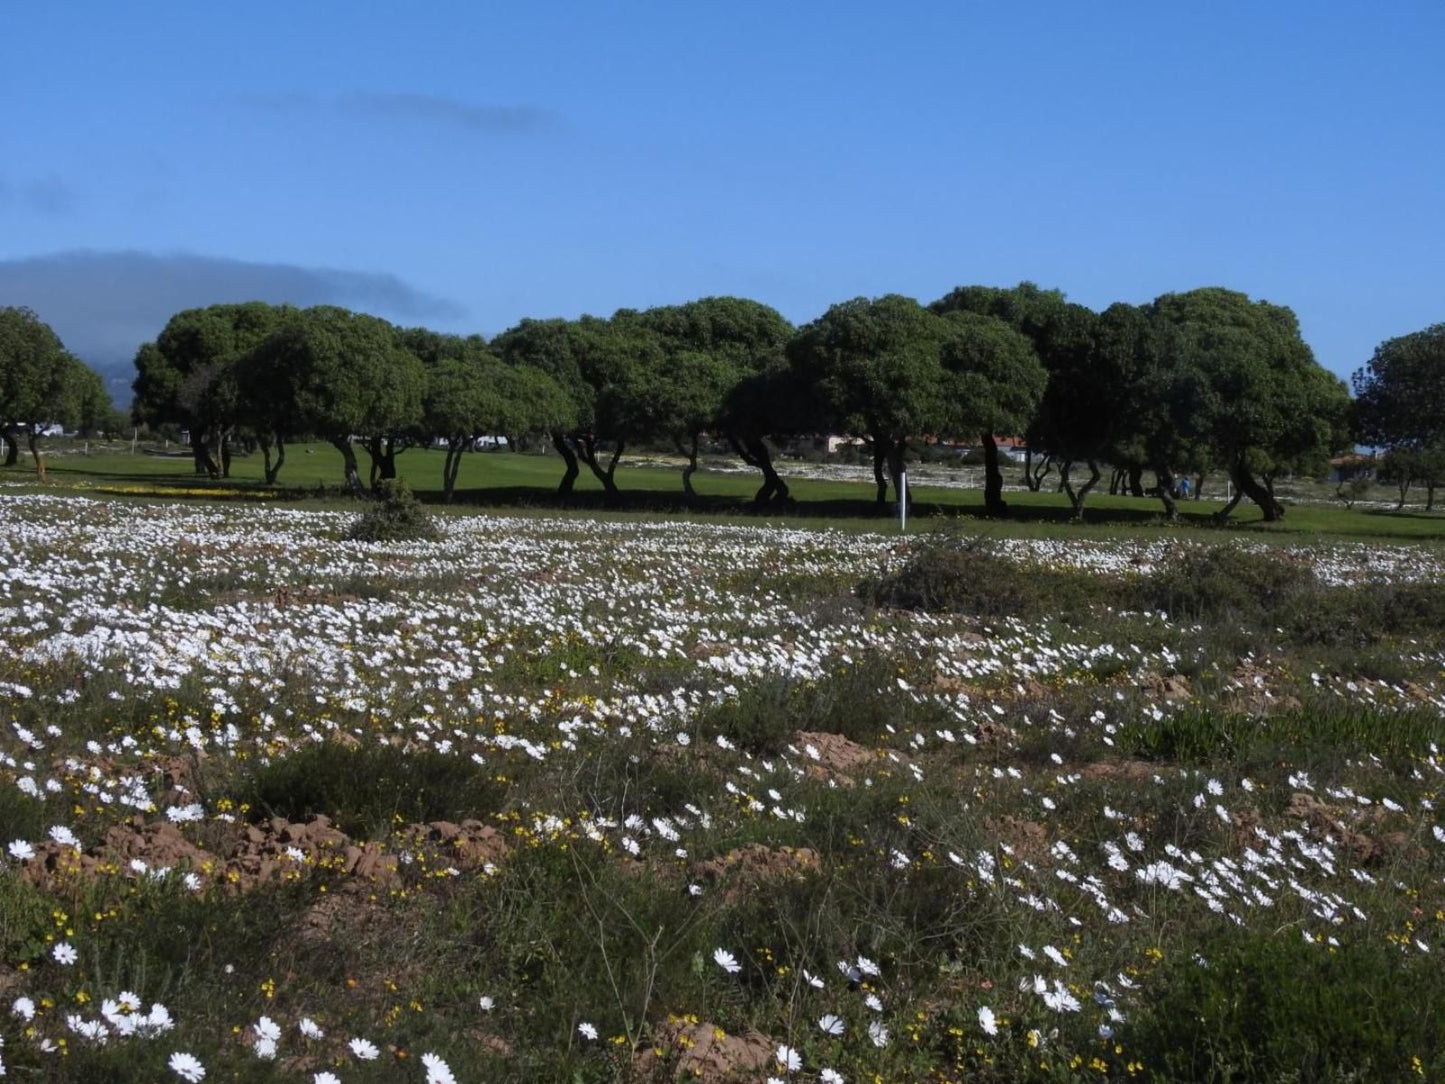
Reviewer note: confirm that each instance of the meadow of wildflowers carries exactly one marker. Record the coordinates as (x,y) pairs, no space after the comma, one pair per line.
(590,800)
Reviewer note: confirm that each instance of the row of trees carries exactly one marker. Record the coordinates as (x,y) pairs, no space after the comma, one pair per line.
(41,385)
(1195,381)
(1190,382)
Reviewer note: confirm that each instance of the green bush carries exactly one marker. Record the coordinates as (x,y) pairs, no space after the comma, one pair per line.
(395,515)
(1226,582)
(1266,1006)
(952,574)
(363,790)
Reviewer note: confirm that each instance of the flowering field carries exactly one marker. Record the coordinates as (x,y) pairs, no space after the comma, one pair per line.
(586,800)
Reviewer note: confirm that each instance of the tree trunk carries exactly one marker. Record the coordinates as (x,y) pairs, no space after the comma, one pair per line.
(225,454)
(1165,477)
(993,501)
(880,456)
(1245,482)
(34,442)
(569,476)
(388,458)
(1034,476)
(606,476)
(1136,481)
(202,456)
(1403,485)
(274,468)
(754,452)
(348,460)
(450,467)
(12,447)
(1199,486)
(897,450)
(1430,496)
(689,452)
(1079,496)
(1116,480)
(1064,469)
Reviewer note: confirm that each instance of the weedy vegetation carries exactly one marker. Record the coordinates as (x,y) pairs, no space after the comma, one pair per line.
(286,798)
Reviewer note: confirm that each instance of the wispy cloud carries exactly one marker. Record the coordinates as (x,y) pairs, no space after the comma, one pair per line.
(413,108)
(48,195)
(105,304)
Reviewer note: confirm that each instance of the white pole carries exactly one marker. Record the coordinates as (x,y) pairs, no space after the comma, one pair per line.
(903,501)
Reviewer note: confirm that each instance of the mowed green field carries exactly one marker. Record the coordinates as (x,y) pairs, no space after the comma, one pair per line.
(313,473)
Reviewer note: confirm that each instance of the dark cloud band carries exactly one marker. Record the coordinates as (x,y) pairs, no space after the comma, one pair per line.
(105,304)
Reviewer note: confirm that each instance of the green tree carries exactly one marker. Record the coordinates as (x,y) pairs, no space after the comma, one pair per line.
(471,392)
(994,384)
(41,384)
(710,348)
(1076,418)
(1400,406)
(187,376)
(875,366)
(1266,406)
(340,375)
(611,369)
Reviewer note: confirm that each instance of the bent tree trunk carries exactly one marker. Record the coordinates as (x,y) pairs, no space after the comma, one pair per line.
(1077,497)
(569,476)
(1165,478)
(34,442)
(1136,481)
(688,450)
(452,464)
(881,450)
(606,475)
(754,452)
(1246,484)
(348,460)
(993,501)
(1034,476)
(12,447)
(1403,485)
(201,452)
(271,466)
(382,453)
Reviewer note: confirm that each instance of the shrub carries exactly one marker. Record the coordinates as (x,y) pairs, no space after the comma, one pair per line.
(1226,582)
(1267,1007)
(953,574)
(363,790)
(394,516)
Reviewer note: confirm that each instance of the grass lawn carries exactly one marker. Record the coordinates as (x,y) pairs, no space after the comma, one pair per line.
(528,482)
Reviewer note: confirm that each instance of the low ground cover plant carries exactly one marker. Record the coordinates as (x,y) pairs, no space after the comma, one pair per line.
(593,800)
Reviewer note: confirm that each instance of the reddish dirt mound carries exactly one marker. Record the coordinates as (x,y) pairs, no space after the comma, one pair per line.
(1027,839)
(469,845)
(1165,686)
(832,756)
(1130,771)
(271,850)
(744,868)
(1340,825)
(688,1049)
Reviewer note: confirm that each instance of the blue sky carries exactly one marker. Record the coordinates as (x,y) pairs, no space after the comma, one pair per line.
(466,164)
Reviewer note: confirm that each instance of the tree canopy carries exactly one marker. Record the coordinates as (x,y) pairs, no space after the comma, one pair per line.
(42,384)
